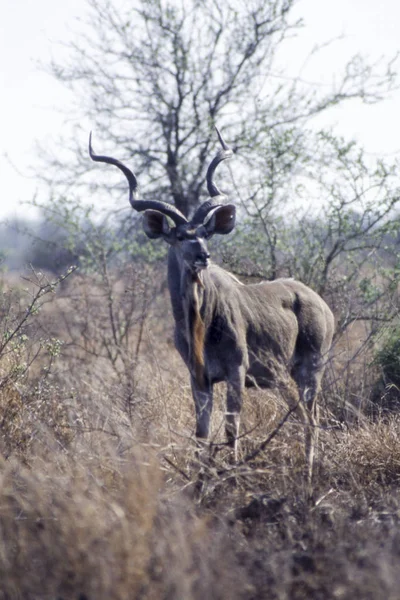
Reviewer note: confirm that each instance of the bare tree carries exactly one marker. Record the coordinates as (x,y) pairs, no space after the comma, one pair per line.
(162,73)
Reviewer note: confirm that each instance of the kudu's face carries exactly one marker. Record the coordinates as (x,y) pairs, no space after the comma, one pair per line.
(190,239)
(190,242)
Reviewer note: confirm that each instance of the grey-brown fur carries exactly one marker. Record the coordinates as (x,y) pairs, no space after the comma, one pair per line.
(246,335)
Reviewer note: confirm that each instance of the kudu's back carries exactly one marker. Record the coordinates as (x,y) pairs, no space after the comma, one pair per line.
(290,328)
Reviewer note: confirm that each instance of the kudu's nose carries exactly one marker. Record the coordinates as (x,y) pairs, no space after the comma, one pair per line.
(201,261)
(203,256)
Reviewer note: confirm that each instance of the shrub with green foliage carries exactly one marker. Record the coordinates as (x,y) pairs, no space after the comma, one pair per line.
(386,395)
(388,358)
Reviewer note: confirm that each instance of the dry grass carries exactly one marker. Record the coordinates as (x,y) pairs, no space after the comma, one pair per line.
(103,493)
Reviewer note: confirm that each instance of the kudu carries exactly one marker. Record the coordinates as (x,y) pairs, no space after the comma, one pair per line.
(258,334)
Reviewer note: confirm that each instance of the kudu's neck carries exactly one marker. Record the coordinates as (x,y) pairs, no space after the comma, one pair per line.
(185,287)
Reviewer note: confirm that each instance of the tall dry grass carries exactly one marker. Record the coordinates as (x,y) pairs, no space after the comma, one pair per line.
(104,494)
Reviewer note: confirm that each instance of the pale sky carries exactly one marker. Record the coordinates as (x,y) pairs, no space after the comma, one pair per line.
(29,99)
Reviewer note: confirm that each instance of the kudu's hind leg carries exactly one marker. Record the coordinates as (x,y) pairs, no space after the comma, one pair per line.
(308,374)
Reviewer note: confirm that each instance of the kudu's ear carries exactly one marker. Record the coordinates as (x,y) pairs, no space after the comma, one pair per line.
(222,220)
(155,225)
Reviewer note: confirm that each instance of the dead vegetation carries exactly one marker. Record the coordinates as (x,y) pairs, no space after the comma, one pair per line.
(104,494)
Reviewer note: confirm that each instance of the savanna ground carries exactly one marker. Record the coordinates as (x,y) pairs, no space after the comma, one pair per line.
(103,493)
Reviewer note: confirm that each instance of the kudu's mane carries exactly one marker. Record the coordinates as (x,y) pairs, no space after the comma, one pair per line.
(197,333)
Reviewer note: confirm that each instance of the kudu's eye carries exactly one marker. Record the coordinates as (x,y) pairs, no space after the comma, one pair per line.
(180,237)
(202,232)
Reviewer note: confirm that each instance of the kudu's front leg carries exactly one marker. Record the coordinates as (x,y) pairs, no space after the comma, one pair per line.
(235,390)
(203,401)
